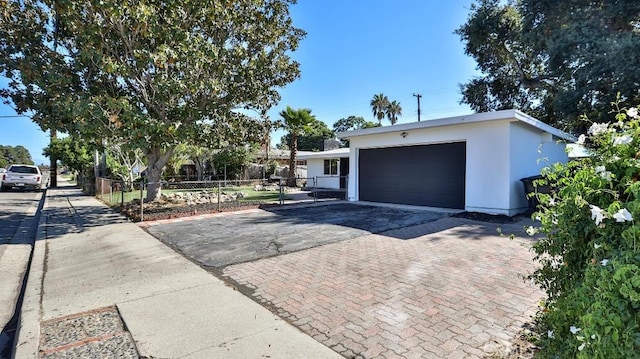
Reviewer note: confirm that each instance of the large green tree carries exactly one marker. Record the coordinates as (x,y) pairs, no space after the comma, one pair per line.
(311,139)
(553,59)
(14,154)
(149,74)
(296,122)
(351,123)
(230,163)
(74,154)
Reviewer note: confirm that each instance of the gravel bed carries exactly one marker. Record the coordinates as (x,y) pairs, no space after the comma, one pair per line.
(157,213)
(119,346)
(95,334)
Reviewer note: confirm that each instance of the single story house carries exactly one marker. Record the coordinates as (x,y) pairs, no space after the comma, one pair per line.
(281,156)
(473,163)
(330,167)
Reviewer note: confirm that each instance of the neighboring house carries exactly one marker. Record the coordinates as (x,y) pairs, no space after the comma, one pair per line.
(473,163)
(329,167)
(280,156)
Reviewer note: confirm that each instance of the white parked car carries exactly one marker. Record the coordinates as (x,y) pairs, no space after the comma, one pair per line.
(22,176)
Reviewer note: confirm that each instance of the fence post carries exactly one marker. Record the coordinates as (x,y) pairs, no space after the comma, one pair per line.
(280,194)
(218,196)
(346,188)
(122,197)
(141,201)
(315,189)
(110,194)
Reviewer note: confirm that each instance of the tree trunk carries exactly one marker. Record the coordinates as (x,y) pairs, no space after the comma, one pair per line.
(291,180)
(156,159)
(128,185)
(199,168)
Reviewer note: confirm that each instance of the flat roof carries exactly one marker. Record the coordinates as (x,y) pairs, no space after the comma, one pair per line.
(459,120)
(337,153)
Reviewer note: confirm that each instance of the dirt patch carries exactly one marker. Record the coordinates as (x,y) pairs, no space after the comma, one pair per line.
(523,345)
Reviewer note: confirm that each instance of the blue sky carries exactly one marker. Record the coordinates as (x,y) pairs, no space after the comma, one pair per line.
(353,50)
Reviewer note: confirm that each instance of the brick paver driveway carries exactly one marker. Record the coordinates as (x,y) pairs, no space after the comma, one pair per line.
(445,289)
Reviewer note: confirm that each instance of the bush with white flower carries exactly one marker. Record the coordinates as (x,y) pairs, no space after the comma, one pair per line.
(590,253)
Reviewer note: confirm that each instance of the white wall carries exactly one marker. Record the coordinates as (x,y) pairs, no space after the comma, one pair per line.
(315,168)
(487,172)
(531,151)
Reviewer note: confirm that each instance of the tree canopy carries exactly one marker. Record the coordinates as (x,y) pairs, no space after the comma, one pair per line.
(311,139)
(379,104)
(555,60)
(11,155)
(148,74)
(72,153)
(392,111)
(352,123)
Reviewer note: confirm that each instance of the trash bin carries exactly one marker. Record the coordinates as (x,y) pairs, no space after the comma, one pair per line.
(530,188)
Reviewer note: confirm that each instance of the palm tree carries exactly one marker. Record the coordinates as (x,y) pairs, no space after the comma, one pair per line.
(296,122)
(393,110)
(379,105)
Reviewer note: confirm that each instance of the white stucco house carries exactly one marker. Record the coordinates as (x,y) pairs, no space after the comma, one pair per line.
(473,163)
(329,168)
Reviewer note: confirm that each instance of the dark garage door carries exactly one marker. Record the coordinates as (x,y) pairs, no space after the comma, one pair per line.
(428,175)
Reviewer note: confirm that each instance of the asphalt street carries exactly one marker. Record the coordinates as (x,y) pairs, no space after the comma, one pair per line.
(18,223)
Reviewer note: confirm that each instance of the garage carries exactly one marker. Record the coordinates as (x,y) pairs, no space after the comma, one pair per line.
(425,175)
(473,163)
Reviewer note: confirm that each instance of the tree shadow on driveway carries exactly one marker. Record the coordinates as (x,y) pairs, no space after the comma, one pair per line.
(227,239)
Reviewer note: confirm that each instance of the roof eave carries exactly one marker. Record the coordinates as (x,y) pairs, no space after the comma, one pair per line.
(447,121)
(458,120)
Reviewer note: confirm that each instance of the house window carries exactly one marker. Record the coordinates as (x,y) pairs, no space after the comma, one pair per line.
(331,166)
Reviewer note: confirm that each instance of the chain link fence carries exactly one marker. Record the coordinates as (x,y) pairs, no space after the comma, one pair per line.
(179,198)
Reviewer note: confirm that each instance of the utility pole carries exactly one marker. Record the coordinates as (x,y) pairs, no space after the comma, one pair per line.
(418,96)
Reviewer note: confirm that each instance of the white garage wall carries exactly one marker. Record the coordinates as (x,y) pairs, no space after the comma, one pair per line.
(531,151)
(487,172)
(315,168)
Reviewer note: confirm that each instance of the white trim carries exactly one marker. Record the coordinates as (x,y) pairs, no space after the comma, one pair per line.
(337,153)
(458,120)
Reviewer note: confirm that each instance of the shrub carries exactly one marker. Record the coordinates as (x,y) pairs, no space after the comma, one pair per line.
(590,254)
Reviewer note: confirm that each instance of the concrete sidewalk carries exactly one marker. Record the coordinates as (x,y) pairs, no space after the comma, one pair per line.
(100,286)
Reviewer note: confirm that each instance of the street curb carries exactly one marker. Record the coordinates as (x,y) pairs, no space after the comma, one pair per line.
(27,339)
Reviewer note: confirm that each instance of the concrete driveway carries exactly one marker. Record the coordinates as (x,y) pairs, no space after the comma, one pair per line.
(229,238)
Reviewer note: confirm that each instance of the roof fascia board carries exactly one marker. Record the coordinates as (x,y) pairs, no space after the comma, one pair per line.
(458,120)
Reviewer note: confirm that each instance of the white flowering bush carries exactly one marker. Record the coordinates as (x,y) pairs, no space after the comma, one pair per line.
(590,253)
